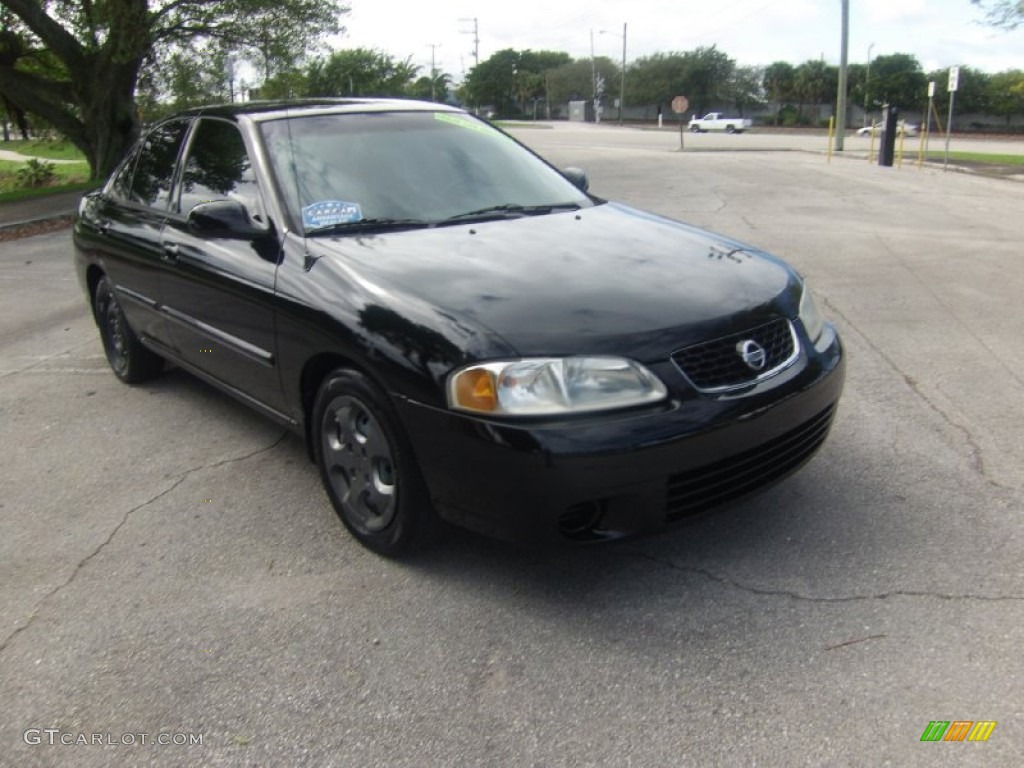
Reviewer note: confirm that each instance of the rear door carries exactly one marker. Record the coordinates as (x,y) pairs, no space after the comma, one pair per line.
(218,294)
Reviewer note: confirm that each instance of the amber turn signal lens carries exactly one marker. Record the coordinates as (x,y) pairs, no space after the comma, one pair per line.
(474,389)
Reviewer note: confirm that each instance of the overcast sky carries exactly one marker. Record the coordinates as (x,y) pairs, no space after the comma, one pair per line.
(939,32)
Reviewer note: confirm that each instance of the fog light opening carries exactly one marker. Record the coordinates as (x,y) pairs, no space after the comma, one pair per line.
(581,522)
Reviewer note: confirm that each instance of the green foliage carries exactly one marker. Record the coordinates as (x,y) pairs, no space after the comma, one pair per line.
(509,80)
(972,95)
(359,72)
(36,173)
(779,83)
(897,79)
(702,75)
(745,89)
(77,65)
(575,81)
(1005,94)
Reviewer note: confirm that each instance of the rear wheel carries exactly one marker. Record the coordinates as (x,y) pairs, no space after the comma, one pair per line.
(730,129)
(130,361)
(367,466)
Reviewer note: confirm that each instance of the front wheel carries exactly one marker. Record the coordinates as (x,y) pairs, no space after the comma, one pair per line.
(130,361)
(367,466)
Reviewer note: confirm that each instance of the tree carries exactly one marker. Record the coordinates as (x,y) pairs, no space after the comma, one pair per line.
(972,94)
(510,79)
(360,72)
(1005,14)
(1005,92)
(575,81)
(815,83)
(779,85)
(745,88)
(702,75)
(101,48)
(897,79)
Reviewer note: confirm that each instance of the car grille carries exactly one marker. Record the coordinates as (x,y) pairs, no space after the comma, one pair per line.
(716,365)
(698,489)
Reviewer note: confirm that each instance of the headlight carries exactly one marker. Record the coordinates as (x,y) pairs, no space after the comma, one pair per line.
(813,322)
(547,386)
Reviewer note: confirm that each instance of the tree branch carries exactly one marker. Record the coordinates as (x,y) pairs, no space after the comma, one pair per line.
(63,44)
(41,97)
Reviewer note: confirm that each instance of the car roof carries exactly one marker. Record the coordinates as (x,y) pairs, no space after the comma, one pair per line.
(274,110)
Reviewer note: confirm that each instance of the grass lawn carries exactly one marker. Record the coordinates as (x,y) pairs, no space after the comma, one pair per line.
(975,157)
(52,150)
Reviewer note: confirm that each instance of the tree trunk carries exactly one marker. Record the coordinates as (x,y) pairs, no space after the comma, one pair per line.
(110,121)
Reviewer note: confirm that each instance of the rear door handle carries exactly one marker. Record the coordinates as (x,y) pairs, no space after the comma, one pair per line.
(170,252)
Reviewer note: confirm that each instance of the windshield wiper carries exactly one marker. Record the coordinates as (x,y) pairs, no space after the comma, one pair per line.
(509,211)
(365,225)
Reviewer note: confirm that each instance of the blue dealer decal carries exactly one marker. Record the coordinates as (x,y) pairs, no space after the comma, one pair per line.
(330,212)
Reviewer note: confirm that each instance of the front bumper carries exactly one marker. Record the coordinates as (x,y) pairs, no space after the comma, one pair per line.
(610,475)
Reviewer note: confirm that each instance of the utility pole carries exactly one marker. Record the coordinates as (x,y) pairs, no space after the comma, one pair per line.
(622,84)
(475,32)
(433,70)
(841,94)
(593,76)
(867,84)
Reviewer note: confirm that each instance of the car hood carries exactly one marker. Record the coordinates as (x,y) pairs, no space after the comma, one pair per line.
(603,280)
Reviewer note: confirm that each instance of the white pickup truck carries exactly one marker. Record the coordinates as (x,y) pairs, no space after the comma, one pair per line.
(713,121)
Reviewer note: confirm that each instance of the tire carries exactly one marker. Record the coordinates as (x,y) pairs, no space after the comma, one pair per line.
(367,467)
(695,129)
(730,129)
(130,361)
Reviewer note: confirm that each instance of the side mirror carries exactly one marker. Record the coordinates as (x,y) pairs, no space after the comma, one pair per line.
(578,177)
(223,218)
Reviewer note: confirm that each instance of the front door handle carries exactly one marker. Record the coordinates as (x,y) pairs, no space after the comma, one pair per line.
(170,252)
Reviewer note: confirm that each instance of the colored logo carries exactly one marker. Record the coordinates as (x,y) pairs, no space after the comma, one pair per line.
(958,730)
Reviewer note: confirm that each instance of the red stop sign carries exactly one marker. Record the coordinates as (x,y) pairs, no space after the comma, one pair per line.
(680,104)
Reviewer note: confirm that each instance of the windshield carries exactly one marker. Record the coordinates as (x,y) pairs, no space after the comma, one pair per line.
(407,168)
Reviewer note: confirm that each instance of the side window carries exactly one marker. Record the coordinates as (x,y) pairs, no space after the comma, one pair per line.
(154,169)
(121,185)
(218,168)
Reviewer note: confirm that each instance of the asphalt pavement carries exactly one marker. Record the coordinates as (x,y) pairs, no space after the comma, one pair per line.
(170,568)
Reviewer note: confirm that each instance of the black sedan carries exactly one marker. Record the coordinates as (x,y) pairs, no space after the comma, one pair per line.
(459,331)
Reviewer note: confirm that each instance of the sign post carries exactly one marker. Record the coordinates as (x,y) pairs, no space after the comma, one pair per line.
(679,105)
(954,82)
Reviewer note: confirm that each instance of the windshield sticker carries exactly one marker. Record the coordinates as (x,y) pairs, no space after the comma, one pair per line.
(463,122)
(330,212)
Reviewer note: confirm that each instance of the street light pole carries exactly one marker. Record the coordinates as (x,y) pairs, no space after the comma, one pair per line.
(622,74)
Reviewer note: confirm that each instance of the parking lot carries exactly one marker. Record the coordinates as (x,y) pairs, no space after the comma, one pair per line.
(169,564)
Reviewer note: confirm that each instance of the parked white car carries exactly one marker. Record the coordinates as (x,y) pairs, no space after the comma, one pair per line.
(713,121)
(902,128)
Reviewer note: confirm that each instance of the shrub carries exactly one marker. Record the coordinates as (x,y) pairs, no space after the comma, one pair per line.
(36,173)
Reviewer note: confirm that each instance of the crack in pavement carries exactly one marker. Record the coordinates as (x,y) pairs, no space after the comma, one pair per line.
(45,358)
(181,478)
(977,459)
(729,582)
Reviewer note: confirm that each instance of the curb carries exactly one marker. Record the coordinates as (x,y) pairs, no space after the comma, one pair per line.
(58,218)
